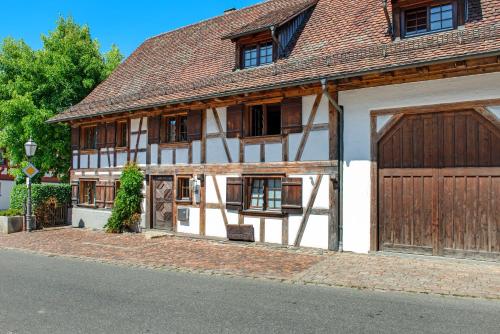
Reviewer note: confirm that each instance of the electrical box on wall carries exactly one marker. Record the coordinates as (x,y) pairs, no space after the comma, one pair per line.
(183,214)
(196,185)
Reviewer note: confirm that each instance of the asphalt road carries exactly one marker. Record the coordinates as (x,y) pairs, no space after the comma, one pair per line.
(40,294)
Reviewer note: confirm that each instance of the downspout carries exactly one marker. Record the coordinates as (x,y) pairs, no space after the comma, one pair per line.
(387,18)
(340,150)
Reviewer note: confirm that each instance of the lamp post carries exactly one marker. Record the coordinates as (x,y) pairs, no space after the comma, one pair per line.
(30,148)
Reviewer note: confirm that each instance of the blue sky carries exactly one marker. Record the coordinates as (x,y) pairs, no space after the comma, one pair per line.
(126,23)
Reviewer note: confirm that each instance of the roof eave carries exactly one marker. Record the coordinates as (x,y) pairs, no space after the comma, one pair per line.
(286,84)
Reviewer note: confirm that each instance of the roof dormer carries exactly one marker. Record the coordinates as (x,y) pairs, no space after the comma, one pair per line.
(270,36)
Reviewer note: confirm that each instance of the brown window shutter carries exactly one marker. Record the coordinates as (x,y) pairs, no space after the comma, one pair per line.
(194,125)
(163,129)
(461,10)
(291,195)
(111,134)
(235,121)
(75,193)
(100,195)
(291,111)
(101,136)
(234,193)
(75,138)
(154,130)
(110,195)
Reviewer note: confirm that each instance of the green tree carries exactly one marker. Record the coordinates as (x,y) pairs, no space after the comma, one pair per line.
(35,85)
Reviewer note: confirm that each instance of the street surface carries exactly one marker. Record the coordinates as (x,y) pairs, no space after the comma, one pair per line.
(40,294)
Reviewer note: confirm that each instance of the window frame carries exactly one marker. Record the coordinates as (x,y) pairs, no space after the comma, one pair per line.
(179,136)
(265,117)
(82,190)
(258,46)
(85,140)
(120,134)
(428,6)
(248,184)
(179,196)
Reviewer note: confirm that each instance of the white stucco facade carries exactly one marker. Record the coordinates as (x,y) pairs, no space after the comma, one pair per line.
(357,106)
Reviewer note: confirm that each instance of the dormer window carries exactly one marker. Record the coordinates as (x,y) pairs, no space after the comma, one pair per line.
(412,19)
(428,19)
(257,55)
(271,36)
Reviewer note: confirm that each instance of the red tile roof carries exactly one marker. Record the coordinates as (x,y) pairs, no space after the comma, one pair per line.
(275,18)
(342,38)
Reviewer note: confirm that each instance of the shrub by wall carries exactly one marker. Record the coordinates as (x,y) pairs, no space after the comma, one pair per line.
(127,208)
(11,213)
(39,194)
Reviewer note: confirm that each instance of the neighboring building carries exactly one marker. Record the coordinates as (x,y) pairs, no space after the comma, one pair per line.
(329,124)
(7,182)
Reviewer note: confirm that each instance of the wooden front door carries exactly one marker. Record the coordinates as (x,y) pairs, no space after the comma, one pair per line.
(439,184)
(162,203)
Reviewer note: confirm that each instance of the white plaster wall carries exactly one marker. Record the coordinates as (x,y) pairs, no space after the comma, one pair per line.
(182,156)
(234,148)
(211,123)
(293,145)
(214,224)
(316,232)
(273,232)
(154,154)
(193,225)
(321,114)
(317,146)
(252,153)
(274,152)
(255,222)
(141,159)
(215,151)
(196,152)
(5,190)
(167,157)
(357,105)
(121,159)
(75,161)
(93,158)
(84,161)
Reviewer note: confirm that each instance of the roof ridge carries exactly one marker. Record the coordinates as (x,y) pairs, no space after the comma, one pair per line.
(208,20)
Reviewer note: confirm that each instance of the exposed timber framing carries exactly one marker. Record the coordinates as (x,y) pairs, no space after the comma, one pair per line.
(307,130)
(137,140)
(222,134)
(219,199)
(307,213)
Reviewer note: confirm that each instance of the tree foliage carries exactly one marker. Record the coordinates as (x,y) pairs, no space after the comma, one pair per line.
(127,207)
(35,85)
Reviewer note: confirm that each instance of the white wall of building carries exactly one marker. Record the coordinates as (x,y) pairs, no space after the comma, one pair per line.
(5,190)
(357,106)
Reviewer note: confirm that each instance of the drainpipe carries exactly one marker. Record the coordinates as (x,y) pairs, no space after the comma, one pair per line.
(387,18)
(340,150)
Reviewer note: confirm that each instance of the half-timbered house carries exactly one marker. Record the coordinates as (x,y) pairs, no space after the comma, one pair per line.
(342,125)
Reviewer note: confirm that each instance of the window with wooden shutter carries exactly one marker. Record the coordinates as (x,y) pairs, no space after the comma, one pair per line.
(194,124)
(75,193)
(291,200)
(122,134)
(234,193)
(110,134)
(101,136)
(235,121)
(154,130)
(291,115)
(75,138)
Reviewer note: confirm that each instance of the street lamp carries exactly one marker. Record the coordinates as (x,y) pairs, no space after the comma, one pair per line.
(30,148)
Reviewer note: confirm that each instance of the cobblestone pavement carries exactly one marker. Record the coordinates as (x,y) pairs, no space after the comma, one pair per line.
(390,272)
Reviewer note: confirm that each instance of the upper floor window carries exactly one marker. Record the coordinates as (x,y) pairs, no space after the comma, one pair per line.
(265,120)
(89,138)
(122,134)
(176,129)
(429,18)
(257,55)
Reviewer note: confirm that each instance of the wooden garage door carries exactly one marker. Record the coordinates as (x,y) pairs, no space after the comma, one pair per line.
(439,184)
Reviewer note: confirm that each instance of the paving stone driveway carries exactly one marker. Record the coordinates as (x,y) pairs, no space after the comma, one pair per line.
(380,271)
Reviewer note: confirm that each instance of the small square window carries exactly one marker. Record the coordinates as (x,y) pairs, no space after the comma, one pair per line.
(89,140)
(122,135)
(183,189)
(429,19)
(257,55)
(265,194)
(265,120)
(87,192)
